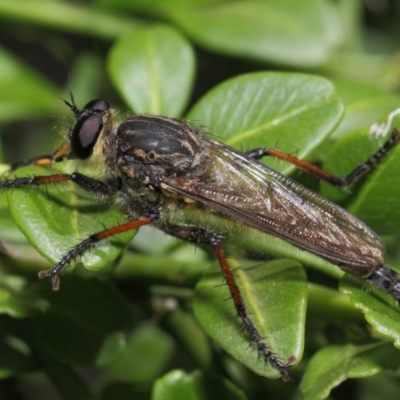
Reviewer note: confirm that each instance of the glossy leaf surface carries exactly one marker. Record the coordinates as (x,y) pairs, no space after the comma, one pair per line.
(294,112)
(153,70)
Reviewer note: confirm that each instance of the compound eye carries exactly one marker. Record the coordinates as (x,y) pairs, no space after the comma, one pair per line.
(97,105)
(84,135)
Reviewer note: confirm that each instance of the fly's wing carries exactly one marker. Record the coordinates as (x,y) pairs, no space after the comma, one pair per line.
(253,194)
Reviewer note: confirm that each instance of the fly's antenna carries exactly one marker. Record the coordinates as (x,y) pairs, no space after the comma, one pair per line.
(72,105)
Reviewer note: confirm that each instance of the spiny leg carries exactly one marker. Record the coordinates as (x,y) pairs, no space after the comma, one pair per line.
(336,181)
(80,248)
(89,184)
(243,314)
(204,236)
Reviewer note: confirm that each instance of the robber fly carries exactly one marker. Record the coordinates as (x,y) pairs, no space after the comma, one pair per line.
(162,168)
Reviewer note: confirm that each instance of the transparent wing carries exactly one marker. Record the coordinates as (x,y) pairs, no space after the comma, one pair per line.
(247,191)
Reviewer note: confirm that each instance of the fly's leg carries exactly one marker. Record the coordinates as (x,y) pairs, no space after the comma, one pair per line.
(100,189)
(81,247)
(40,161)
(60,155)
(91,185)
(242,312)
(203,236)
(336,181)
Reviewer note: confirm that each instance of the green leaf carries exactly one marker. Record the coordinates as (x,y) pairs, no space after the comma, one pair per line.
(23,93)
(379,309)
(57,218)
(364,105)
(332,365)
(294,112)
(178,385)
(301,33)
(275,294)
(153,69)
(84,315)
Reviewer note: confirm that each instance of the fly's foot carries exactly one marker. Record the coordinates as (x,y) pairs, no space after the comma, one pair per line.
(281,366)
(54,275)
(274,361)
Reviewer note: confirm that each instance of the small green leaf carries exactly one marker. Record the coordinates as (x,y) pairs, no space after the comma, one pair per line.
(380,310)
(285,31)
(294,112)
(178,385)
(57,218)
(275,294)
(153,69)
(332,365)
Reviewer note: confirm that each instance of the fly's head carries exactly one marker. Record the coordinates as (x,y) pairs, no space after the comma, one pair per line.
(91,130)
(151,147)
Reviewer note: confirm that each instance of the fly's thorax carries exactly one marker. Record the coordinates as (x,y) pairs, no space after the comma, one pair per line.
(158,144)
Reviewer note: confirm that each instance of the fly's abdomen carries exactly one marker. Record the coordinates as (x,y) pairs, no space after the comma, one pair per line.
(386,280)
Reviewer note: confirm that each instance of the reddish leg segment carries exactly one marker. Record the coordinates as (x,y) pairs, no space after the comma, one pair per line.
(91,185)
(243,314)
(352,177)
(204,236)
(80,248)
